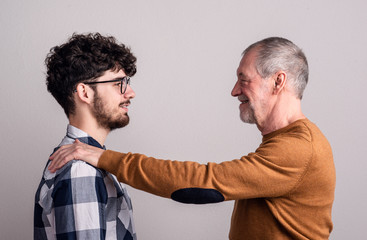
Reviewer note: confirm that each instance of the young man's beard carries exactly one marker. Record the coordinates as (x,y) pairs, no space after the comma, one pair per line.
(107,118)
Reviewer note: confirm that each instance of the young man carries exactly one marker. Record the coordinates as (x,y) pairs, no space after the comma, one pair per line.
(282,190)
(89,78)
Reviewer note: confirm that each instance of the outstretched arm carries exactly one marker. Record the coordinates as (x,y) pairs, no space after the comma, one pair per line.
(77,150)
(251,176)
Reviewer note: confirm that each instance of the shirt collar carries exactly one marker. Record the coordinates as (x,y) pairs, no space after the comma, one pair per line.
(73,133)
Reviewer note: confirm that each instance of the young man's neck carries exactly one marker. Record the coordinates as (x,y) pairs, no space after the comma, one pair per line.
(91,127)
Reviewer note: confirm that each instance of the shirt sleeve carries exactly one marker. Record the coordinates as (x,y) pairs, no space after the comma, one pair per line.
(273,170)
(79,199)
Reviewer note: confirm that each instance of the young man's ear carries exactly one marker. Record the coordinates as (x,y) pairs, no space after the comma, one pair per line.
(84,93)
(280,79)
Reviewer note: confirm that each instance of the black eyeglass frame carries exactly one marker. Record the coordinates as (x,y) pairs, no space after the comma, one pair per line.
(125,79)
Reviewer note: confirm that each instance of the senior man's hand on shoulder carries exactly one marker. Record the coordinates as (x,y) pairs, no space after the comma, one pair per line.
(77,150)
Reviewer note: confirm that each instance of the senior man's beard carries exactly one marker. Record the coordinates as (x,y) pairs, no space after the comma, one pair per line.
(254,111)
(109,117)
(248,116)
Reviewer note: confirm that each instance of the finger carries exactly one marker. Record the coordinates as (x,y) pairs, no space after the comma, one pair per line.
(65,154)
(54,158)
(63,160)
(58,163)
(57,156)
(57,152)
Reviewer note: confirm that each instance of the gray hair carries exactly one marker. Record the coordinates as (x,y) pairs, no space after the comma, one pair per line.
(275,54)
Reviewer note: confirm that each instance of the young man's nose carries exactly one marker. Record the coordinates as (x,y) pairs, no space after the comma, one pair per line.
(129,93)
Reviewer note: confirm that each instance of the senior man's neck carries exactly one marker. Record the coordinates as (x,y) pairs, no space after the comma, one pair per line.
(283,114)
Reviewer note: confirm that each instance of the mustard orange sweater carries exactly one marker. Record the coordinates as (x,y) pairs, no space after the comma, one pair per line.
(284,190)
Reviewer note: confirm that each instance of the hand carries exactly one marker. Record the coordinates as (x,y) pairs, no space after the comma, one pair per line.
(77,150)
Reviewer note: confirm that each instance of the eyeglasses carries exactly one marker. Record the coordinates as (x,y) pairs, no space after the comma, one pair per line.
(123,83)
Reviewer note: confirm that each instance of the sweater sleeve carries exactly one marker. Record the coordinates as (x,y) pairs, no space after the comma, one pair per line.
(273,170)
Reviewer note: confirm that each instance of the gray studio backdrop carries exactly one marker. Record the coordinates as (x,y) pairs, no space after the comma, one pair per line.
(188,52)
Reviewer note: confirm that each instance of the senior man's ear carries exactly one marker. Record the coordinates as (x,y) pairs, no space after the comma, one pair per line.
(280,79)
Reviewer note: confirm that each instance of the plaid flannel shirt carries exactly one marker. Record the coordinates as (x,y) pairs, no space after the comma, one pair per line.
(80,201)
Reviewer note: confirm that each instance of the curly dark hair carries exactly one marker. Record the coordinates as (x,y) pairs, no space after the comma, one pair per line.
(84,57)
